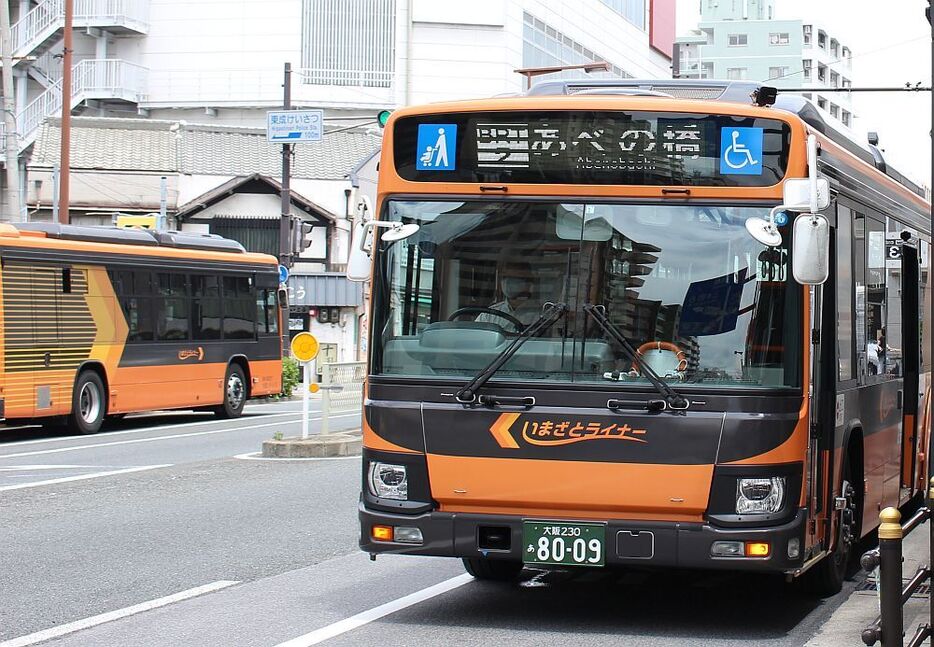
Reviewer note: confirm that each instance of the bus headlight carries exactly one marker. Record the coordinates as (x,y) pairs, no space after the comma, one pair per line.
(388,481)
(760,495)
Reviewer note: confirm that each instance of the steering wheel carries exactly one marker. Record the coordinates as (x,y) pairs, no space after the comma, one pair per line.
(490,311)
(663,345)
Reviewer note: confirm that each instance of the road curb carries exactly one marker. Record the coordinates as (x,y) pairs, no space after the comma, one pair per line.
(330,445)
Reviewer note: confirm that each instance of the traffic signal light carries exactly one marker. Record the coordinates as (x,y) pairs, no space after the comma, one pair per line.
(301,235)
(382,117)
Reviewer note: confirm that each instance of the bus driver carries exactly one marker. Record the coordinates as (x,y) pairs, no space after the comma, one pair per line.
(517,288)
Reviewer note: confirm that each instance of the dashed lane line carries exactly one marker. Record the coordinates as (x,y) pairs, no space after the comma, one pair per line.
(256,456)
(60,450)
(105,434)
(110,616)
(356,621)
(80,477)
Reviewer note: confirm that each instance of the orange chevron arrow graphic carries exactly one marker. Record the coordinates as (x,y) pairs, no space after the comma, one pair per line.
(500,430)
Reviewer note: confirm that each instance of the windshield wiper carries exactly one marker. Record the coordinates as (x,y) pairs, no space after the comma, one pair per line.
(673,400)
(551,313)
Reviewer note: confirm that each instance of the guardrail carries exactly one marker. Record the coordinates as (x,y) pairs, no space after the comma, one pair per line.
(889,626)
(341,389)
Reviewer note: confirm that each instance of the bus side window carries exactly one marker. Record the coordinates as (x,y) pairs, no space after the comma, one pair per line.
(267,316)
(845,275)
(859,275)
(172,307)
(239,308)
(134,291)
(925,309)
(205,307)
(875,297)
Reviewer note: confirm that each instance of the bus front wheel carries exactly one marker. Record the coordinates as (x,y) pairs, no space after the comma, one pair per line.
(826,577)
(235,393)
(88,404)
(492,569)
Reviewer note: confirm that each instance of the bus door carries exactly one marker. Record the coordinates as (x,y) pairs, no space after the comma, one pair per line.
(910,365)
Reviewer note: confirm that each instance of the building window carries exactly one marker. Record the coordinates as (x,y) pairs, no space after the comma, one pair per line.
(545,46)
(631,10)
(822,40)
(821,72)
(834,111)
(846,118)
(834,47)
(778,72)
(738,40)
(807,95)
(834,79)
(806,66)
(845,82)
(779,38)
(735,73)
(807,35)
(822,102)
(348,42)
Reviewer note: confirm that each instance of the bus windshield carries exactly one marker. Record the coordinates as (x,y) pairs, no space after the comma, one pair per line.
(686,285)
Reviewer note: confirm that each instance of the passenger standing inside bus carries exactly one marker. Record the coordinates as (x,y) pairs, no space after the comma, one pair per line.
(518,291)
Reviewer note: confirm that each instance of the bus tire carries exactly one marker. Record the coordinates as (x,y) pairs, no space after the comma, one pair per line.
(235,393)
(492,569)
(88,404)
(826,577)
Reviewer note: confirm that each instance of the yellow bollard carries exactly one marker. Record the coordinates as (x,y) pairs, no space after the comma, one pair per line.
(891,527)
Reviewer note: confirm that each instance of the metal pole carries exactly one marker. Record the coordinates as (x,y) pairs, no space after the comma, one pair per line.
(66,115)
(285,238)
(11,189)
(56,176)
(163,200)
(306,395)
(890,577)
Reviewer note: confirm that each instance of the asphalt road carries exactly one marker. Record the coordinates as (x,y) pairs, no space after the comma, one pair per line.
(216,550)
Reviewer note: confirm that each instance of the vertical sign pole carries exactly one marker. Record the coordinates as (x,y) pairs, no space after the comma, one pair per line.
(64,182)
(285,238)
(306,396)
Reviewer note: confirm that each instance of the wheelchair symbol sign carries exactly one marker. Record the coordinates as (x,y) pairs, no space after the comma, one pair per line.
(741,151)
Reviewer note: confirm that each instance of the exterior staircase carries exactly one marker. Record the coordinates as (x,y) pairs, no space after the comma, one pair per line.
(41,28)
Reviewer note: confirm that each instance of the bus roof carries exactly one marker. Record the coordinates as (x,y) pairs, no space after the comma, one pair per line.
(132,241)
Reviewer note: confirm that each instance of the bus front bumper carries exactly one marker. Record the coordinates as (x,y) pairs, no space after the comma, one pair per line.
(683,545)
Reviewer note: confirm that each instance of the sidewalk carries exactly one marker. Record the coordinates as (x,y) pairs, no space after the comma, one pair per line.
(846,624)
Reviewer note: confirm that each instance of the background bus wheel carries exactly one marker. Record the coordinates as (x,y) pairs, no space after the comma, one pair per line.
(492,569)
(234,393)
(88,404)
(826,578)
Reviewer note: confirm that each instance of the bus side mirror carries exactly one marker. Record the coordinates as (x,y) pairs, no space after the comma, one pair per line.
(358,261)
(811,249)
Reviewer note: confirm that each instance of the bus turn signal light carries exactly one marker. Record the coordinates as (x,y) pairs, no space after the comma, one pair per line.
(757,549)
(381,533)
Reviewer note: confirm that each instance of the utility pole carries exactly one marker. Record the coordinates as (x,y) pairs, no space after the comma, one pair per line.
(66,114)
(11,188)
(285,230)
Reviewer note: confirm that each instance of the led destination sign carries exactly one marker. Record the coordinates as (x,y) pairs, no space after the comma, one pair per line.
(587,147)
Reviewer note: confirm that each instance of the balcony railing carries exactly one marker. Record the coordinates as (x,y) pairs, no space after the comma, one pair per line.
(39,27)
(90,79)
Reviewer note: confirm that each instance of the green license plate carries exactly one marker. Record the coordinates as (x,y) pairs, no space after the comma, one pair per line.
(561,543)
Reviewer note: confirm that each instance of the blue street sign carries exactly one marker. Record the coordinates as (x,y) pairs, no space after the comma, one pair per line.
(294,126)
(283,274)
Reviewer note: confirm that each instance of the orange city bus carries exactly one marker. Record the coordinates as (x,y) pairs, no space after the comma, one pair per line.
(580,355)
(99,322)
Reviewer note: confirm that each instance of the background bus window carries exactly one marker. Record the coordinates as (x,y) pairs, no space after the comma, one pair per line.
(925,310)
(845,364)
(892,343)
(875,297)
(239,308)
(205,307)
(172,307)
(859,276)
(267,316)
(135,292)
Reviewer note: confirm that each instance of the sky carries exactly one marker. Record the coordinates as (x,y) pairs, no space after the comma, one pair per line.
(891,45)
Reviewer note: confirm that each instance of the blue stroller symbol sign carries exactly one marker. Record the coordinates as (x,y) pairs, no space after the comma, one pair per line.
(741,151)
(436,149)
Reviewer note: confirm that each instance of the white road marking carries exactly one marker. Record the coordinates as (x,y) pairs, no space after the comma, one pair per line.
(353,622)
(140,430)
(81,477)
(20,468)
(256,456)
(110,616)
(60,450)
